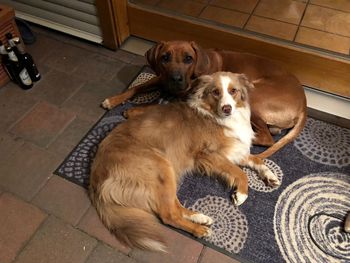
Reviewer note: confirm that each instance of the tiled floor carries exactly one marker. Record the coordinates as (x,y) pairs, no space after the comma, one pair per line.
(324,24)
(43,217)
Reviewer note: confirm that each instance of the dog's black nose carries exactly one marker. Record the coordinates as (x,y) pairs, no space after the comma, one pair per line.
(226,109)
(176,78)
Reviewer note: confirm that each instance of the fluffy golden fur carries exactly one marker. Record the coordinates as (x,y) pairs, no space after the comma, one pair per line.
(135,172)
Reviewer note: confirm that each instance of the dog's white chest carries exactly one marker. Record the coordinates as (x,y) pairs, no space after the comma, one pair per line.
(240,130)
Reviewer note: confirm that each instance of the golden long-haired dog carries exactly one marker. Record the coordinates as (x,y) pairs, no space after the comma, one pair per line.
(135,172)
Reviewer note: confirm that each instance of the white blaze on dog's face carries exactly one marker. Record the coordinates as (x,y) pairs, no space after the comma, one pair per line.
(221,94)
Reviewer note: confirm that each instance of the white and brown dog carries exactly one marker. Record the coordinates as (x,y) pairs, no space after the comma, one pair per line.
(135,172)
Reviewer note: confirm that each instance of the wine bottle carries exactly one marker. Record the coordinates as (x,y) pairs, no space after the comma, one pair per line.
(27,60)
(10,69)
(21,74)
(24,57)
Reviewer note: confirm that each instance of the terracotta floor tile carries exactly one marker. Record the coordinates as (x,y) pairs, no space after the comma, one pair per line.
(18,222)
(56,87)
(70,137)
(43,47)
(67,58)
(210,255)
(105,254)
(96,67)
(124,77)
(343,5)
(26,170)
(328,20)
(92,225)
(224,16)
(239,5)
(287,10)
(180,249)
(14,104)
(86,103)
(323,40)
(125,56)
(42,124)
(58,242)
(69,206)
(272,27)
(9,144)
(186,7)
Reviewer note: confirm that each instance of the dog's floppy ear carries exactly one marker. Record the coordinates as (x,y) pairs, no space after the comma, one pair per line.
(198,85)
(152,56)
(202,60)
(247,85)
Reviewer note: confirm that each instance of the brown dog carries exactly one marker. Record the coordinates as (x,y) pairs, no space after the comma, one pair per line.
(131,183)
(277,102)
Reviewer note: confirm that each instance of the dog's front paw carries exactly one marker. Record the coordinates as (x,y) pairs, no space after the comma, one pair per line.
(201,219)
(106,104)
(271,179)
(238,198)
(202,231)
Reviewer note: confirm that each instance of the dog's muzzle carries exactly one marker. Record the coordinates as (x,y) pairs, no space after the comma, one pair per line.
(177,84)
(227,109)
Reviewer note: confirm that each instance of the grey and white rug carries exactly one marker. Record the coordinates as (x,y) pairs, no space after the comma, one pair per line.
(300,221)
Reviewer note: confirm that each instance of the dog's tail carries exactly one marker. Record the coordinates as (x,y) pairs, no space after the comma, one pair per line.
(132,226)
(290,136)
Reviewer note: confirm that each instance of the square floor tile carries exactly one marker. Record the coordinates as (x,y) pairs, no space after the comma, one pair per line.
(323,40)
(185,7)
(224,16)
(105,254)
(42,124)
(210,255)
(56,87)
(67,58)
(92,225)
(272,27)
(63,199)
(58,242)
(343,5)
(326,19)
(70,137)
(18,222)
(287,11)
(26,170)
(180,249)
(239,5)
(14,104)
(9,144)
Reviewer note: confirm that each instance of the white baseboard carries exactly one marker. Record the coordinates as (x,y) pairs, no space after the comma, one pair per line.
(328,103)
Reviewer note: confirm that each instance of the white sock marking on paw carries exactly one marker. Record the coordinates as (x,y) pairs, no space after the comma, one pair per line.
(201,219)
(239,198)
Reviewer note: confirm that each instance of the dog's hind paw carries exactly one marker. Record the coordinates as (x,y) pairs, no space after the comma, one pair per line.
(106,104)
(201,219)
(238,198)
(271,179)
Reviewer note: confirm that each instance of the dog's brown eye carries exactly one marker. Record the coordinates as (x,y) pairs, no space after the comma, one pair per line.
(188,59)
(232,91)
(165,58)
(216,92)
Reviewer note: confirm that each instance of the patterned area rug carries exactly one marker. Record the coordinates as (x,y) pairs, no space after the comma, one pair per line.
(300,221)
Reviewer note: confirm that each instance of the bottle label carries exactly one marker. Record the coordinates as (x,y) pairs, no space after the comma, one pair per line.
(25,77)
(13,56)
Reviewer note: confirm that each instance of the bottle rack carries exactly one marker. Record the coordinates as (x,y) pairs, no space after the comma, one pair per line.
(7,24)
